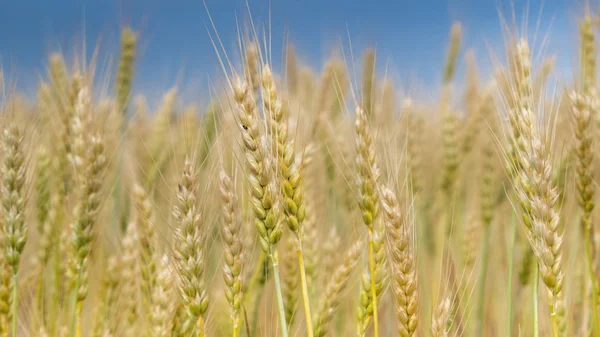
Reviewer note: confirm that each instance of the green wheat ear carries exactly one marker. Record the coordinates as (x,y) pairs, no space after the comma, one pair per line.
(124,75)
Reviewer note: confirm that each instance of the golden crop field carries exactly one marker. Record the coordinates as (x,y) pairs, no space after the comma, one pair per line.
(304,201)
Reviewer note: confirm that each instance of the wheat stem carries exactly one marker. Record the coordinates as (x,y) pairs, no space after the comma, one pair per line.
(305,299)
(275,263)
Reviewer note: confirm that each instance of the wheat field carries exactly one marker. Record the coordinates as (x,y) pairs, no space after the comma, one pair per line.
(304,201)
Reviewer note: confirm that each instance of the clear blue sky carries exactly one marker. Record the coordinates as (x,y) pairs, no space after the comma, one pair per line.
(175,47)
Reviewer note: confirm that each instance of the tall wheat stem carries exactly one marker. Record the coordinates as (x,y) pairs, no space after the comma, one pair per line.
(305,297)
(275,262)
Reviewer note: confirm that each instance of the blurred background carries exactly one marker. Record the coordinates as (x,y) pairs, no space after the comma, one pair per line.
(175,46)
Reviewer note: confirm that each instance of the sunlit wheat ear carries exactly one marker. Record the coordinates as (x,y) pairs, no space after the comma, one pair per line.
(42,188)
(329,248)
(441,319)
(285,159)
(124,76)
(290,181)
(334,289)
(158,148)
(46,203)
(414,127)
(161,316)
(14,203)
(453,50)
(588,54)
(372,283)
(469,240)
(252,65)
(267,224)
(190,251)
(584,107)
(264,202)
(148,238)
(534,190)
(234,254)
(402,266)
(368,171)
(451,158)
(58,77)
(85,219)
(330,92)
(368,83)
(130,269)
(104,321)
(368,174)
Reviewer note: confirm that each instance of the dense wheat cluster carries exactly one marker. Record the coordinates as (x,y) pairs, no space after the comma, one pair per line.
(304,202)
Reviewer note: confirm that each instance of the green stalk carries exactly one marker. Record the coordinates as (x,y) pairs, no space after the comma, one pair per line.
(511,254)
(305,298)
(275,260)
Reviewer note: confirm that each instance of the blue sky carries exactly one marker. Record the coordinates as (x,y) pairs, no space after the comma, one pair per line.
(410,35)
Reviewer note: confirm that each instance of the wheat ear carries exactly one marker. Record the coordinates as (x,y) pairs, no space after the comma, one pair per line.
(162,300)
(13,202)
(291,179)
(534,190)
(264,205)
(440,319)
(368,174)
(233,250)
(584,107)
(334,289)
(403,273)
(190,252)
